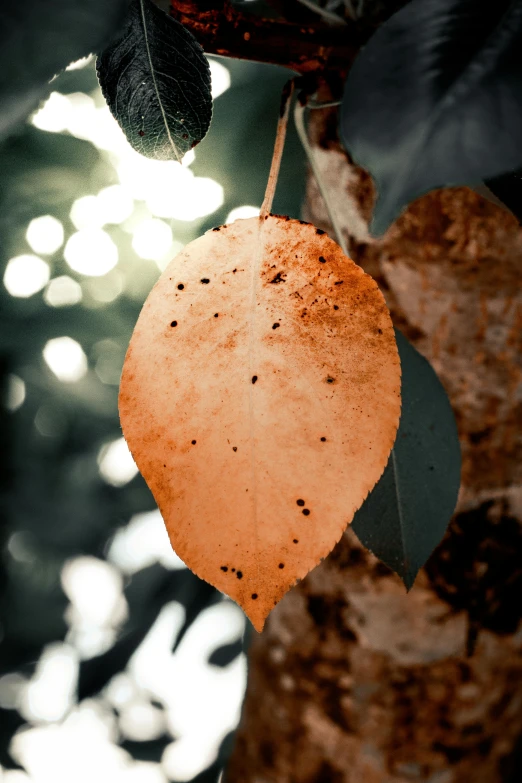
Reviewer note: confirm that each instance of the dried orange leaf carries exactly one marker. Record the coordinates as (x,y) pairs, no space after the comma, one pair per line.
(260,398)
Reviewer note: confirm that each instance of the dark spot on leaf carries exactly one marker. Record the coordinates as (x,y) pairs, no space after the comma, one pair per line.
(233,570)
(319,231)
(193,442)
(216,315)
(336,307)
(380,331)
(296,540)
(173,323)
(303,223)
(217,228)
(234,448)
(205,280)
(278,278)
(254,378)
(281,565)
(276,326)
(300,502)
(254,596)
(181,287)
(306,511)
(239,575)
(224,568)
(184,136)
(330,379)
(339,282)
(234,270)
(323,439)
(322,259)
(141,133)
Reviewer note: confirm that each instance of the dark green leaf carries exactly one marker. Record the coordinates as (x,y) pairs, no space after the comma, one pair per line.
(201,596)
(148,750)
(508,188)
(38,38)
(156,81)
(434,99)
(224,655)
(10,722)
(405,516)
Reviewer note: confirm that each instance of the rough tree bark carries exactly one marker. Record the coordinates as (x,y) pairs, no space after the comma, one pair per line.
(353,680)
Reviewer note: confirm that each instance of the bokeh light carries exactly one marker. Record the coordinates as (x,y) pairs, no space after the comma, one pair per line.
(116,465)
(63,291)
(91,251)
(142,542)
(152,239)
(86,212)
(15,393)
(25,275)
(65,357)
(81,63)
(54,114)
(220,76)
(45,234)
(116,204)
(105,289)
(48,694)
(240,213)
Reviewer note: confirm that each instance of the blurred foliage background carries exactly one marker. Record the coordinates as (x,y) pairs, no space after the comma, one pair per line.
(116,662)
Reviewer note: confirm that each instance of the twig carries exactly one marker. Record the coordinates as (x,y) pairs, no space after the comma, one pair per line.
(286,100)
(226,30)
(326,105)
(328,16)
(301,130)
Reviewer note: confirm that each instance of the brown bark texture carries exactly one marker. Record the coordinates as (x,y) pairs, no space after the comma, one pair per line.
(224,29)
(354,680)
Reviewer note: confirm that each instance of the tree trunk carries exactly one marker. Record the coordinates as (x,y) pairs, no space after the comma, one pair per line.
(353,680)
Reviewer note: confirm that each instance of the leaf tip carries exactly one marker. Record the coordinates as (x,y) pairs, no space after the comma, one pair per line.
(408,577)
(380,222)
(258,619)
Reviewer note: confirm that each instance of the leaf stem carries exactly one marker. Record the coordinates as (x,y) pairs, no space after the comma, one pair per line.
(286,99)
(301,131)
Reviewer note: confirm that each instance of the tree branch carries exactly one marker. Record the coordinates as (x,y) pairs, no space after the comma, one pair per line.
(315,50)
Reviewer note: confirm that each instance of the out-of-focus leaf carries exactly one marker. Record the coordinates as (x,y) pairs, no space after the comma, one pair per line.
(156,81)
(225,654)
(406,514)
(10,722)
(149,590)
(38,39)
(200,596)
(150,750)
(433,100)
